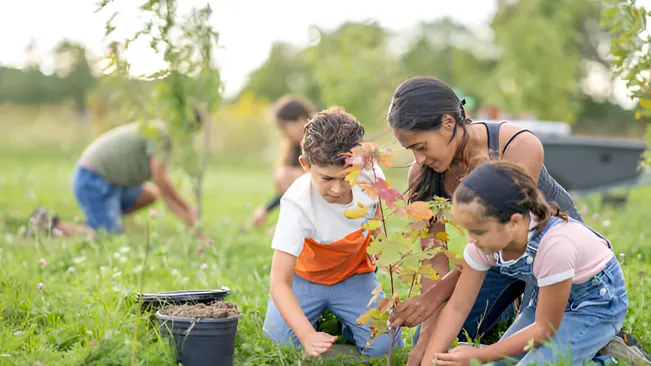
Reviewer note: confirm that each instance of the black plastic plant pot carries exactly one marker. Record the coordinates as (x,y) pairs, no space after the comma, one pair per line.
(157,300)
(201,342)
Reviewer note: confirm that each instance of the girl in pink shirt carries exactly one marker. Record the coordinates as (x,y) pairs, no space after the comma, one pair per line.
(580,299)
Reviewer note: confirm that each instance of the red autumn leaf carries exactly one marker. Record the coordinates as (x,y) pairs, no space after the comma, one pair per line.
(382,304)
(383,155)
(419,225)
(386,193)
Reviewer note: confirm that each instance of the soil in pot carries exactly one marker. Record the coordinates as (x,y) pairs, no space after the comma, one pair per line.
(204,334)
(157,300)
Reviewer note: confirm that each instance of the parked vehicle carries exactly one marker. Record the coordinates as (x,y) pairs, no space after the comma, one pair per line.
(589,164)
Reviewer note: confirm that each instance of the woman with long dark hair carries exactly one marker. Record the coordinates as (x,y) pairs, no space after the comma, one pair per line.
(428,118)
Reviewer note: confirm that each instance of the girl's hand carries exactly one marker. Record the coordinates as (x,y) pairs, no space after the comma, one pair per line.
(316,343)
(458,356)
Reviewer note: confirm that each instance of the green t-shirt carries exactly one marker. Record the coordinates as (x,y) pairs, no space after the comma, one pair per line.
(122,154)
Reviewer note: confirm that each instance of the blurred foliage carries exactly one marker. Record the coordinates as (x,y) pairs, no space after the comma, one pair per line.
(187,90)
(533,58)
(630,48)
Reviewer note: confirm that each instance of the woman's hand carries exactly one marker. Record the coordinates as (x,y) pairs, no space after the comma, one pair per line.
(411,312)
(458,356)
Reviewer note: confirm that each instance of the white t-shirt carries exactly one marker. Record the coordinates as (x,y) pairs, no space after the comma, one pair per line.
(305,214)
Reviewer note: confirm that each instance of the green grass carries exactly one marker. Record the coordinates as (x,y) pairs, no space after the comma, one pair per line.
(87,315)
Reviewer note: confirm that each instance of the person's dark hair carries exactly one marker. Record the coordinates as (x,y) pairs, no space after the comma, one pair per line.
(287,109)
(533,199)
(328,135)
(418,104)
(292,108)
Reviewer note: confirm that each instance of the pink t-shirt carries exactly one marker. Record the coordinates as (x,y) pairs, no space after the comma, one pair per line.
(567,250)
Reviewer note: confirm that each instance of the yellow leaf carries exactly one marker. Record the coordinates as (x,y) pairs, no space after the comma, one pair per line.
(428,271)
(442,235)
(353,173)
(638,115)
(357,212)
(366,317)
(372,225)
(376,294)
(645,103)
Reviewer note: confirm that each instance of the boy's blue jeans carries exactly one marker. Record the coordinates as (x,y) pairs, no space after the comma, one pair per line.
(347,300)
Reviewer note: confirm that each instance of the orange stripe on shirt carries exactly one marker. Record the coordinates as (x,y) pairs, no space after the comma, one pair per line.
(331,263)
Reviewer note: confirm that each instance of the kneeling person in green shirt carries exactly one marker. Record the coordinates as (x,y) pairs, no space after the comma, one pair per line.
(112,179)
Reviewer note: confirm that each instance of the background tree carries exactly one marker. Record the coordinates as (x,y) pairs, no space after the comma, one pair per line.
(630,49)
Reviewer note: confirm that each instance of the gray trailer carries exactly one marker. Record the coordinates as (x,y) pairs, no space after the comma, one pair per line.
(587,164)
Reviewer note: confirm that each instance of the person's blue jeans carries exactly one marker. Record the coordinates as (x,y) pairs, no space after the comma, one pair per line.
(102,202)
(347,300)
(594,314)
(495,303)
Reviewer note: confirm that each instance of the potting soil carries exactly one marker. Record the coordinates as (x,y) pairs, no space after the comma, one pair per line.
(216,309)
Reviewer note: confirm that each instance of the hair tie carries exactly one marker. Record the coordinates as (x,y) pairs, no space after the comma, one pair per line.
(496,188)
(461,109)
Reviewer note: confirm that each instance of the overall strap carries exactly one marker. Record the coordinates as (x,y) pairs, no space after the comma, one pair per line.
(570,219)
(535,238)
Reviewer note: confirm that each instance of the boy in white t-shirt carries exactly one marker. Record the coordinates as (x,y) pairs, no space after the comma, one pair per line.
(320,260)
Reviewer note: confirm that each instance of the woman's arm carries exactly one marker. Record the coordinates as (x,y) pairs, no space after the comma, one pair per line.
(552,301)
(455,312)
(525,149)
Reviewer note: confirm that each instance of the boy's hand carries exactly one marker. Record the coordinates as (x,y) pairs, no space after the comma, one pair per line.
(316,343)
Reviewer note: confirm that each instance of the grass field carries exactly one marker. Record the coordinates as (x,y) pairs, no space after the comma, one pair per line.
(85,312)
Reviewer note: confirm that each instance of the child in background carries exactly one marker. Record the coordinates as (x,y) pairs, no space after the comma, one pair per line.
(320,260)
(291,113)
(580,298)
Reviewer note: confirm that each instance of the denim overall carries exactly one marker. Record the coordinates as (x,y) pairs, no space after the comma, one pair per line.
(594,313)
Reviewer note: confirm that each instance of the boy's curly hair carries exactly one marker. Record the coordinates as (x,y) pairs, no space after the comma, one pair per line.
(328,134)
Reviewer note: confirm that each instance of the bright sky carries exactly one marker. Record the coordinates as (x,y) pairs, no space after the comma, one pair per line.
(247,27)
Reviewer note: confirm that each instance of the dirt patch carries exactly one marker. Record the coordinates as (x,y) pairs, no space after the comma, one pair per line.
(216,309)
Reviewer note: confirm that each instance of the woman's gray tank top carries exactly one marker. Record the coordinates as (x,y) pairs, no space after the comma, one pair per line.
(553,191)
